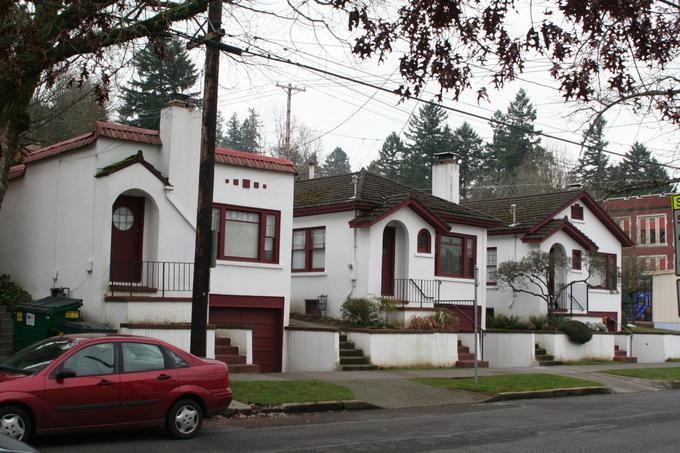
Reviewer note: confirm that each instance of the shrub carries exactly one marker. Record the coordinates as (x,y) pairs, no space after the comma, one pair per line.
(11,294)
(361,311)
(501,321)
(539,322)
(576,331)
(387,305)
(442,320)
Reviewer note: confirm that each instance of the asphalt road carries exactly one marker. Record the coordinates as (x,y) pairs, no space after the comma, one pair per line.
(648,422)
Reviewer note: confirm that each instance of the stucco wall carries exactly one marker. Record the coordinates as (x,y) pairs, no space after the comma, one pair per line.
(507,350)
(408,349)
(650,348)
(312,350)
(600,347)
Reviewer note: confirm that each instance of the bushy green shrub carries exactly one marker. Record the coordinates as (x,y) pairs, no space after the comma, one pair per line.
(576,331)
(387,305)
(361,311)
(505,322)
(539,322)
(442,320)
(11,294)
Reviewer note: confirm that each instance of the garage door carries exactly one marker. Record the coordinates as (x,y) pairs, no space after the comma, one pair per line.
(267,325)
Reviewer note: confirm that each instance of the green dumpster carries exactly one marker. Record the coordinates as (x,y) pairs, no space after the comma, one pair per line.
(67,327)
(40,319)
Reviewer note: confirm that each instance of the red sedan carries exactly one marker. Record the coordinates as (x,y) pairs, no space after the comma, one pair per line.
(96,381)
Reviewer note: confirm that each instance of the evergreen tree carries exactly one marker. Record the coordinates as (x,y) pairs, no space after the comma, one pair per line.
(639,174)
(515,141)
(593,165)
(428,135)
(469,148)
(250,133)
(233,135)
(337,163)
(220,133)
(64,111)
(389,160)
(159,78)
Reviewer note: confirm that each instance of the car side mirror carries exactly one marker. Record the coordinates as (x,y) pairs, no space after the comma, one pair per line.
(65,373)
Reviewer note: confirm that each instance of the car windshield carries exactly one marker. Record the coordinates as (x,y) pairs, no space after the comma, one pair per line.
(34,358)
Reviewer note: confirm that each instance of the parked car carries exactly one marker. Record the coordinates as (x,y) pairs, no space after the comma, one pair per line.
(95,381)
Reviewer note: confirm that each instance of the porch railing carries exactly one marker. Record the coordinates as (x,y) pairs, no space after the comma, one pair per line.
(573,298)
(416,291)
(154,277)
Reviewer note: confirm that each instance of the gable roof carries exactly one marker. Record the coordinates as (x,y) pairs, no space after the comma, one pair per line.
(245,159)
(555,225)
(376,196)
(131,160)
(533,212)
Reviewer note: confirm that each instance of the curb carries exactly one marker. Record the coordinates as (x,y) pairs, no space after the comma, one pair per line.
(670,385)
(298,408)
(553,393)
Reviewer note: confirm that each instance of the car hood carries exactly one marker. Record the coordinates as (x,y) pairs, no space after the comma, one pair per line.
(9,376)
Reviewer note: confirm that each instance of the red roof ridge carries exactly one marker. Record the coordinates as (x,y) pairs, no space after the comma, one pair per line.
(46,150)
(101,125)
(251,155)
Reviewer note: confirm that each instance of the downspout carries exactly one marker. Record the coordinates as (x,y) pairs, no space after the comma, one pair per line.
(353,265)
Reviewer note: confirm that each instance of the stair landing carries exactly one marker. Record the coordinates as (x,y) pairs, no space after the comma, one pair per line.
(466,359)
(225,352)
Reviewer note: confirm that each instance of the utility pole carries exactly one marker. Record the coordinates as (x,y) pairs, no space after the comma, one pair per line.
(201,288)
(289,89)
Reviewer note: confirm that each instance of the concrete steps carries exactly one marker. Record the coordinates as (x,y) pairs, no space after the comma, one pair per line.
(622,356)
(353,359)
(225,352)
(543,358)
(466,359)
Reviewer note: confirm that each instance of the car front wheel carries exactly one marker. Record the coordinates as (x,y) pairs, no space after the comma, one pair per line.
(184,419)
(15,423)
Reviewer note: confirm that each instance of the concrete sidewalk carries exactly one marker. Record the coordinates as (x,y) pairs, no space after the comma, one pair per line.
(394,388)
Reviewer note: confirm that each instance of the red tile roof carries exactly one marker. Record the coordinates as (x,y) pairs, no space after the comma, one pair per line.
(16,171)
(109,130)
(252,160)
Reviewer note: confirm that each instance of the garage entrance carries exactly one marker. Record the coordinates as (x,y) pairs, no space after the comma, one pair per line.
(263,314)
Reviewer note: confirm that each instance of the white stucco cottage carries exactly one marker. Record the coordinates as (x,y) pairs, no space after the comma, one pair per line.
(569,224)
(111,216)
(361,234)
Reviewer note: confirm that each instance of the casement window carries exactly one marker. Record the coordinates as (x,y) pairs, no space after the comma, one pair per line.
(248,234)
(576,211)
(576,260)
(456,256)
(624,224)
(491,265)
(606,278)
(309,249)
(651,230)
(424,241)
(652,263)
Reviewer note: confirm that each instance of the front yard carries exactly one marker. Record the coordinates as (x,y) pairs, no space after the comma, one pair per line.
(510,383)
(281,392)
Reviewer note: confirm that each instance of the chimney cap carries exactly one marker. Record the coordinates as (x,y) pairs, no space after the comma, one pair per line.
(445,156)
(182,100)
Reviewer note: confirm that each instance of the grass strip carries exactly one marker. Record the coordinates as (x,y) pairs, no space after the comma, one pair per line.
(510,383)
(655,374)
(280,392)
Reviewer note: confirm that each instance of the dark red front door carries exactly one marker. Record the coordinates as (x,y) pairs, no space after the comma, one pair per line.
(387,287)
(127,231)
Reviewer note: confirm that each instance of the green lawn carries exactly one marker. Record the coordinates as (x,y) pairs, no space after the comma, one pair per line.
(510,383)
(657,374)
(279,392)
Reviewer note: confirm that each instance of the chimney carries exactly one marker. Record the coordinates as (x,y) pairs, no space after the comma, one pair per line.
(312,167)
(445,177)
(180,132)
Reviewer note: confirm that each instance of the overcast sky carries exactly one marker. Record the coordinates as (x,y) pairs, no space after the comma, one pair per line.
(359,118)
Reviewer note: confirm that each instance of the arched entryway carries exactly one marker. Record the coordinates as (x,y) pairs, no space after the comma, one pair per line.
(557,275)
(134,226)
(394,257)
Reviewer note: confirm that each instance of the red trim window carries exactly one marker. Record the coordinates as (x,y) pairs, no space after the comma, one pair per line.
(309,249)
(248,234)
(491,265)
(577,211)
(576,260)
(608,278)
(424,241)
(652,230)
(624,224)
(456,256)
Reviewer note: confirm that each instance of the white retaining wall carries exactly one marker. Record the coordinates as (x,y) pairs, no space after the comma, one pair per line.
(508,350)
(180,337)
(426,349)
(312,350)
(650,348)
(600,347)
(242,338)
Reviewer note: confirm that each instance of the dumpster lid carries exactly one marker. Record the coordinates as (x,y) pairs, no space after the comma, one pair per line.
(84,327)
(50,304)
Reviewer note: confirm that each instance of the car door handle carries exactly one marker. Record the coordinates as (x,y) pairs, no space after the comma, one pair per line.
(163,377)
(104,383)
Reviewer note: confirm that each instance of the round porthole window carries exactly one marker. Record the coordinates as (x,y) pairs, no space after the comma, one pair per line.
(123,218)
